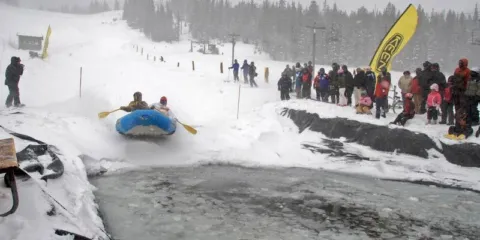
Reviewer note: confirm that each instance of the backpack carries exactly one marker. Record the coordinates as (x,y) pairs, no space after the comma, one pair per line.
(447,94)
(471,88)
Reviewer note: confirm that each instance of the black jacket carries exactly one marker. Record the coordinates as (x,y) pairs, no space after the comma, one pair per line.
(252,71)
(360,80)
(349,83)
(285,84)
(426,80)
(13,72)
(440,79)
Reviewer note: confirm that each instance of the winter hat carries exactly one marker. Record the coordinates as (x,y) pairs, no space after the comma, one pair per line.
(409,95)
(434,87)
(322,70)
(406,73)
(359,70)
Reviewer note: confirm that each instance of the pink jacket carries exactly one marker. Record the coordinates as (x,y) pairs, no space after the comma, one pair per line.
(365,101)
(434,99)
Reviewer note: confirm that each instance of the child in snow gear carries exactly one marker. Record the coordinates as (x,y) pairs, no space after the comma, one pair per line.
(461,130)
(447,103)
(235,68)
(434,100)
(364,103)
(246,70)
(321,84)
(136,104)
(416,90)
(381,95)
(253,74)
(12,77)
(284,86)
(408,111)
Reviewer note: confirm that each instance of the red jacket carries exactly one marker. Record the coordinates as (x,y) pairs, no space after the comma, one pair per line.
(416,89)
(463,72)
(409,108)
(382,88)
(434,99)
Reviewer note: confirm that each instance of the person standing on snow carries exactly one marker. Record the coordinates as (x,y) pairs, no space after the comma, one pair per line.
(471,98)
(349,84)
(334,83)
(461,75)
(12,77)
(381,95)
(359,83)
(136,104)
(416,90)
(246,71)
(434,100)
(321,84)
(298,80)
(306,83)
(426,80)
(253,73)
(405,84)
(447,104)
(284,86)
(342,100)
(370,83)
(235,66)
(385,75)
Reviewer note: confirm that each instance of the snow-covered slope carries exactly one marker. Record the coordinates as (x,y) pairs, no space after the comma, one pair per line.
(113,70)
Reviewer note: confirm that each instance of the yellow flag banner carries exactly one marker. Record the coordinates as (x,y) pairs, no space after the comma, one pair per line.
(395,40)
(45,45)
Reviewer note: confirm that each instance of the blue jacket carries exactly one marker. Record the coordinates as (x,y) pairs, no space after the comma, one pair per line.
(235,67)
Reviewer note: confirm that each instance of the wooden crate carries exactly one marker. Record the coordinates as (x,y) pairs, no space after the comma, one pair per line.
(8,155)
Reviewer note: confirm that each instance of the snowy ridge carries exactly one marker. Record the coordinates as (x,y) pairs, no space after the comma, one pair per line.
(113,71)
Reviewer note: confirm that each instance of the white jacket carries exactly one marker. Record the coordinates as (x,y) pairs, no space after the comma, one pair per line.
(163,108)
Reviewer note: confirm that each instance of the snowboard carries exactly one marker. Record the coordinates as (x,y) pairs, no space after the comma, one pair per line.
(453,137)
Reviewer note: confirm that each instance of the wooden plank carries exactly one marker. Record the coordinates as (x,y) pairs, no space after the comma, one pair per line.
(8,155)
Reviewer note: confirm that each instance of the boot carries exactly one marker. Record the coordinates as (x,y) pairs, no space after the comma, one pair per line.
(443,122)
(434,122)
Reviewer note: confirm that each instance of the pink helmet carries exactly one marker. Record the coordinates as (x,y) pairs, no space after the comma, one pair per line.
(409,95)
(434,87)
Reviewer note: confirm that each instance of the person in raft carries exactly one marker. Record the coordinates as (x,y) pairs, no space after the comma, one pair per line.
(161,106)
(136,104)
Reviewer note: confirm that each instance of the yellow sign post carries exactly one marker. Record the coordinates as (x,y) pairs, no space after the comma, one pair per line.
(45,45)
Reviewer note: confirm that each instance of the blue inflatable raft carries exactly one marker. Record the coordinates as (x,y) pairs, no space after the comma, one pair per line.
(146,123)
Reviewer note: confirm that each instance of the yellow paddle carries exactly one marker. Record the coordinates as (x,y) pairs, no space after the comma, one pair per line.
(188,128)
(105,114)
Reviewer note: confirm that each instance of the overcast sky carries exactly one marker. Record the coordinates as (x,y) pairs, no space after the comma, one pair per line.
(457,5)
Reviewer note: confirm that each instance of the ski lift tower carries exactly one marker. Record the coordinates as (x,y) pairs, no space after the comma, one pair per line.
(314,27)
